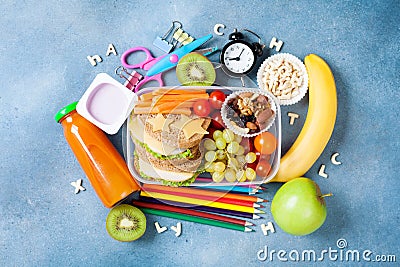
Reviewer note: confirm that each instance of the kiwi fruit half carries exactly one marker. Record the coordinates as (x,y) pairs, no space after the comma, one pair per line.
(195,70)
(125,223)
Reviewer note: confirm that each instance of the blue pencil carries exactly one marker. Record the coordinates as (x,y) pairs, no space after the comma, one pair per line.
(237,189)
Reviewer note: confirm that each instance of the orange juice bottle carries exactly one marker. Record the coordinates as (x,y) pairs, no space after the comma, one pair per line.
(103,165)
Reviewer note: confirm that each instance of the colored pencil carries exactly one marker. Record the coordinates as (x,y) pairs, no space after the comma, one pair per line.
(209,180)
(199,191)
(191,212)
(202,202)
(239,214)
(232,189)
(197,219)
(181,193)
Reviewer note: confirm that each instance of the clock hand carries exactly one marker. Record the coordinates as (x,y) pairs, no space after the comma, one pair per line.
(236,58)
(240,54)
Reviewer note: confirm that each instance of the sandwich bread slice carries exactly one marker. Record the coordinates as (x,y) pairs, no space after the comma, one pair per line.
(167,146)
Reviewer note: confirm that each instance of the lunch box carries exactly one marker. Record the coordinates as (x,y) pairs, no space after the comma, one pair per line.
(275,129)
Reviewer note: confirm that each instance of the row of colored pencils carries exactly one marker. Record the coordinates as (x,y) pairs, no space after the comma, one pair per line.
(216,208)
(249,189)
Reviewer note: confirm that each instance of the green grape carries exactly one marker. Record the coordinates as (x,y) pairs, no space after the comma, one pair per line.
(233,163)
(217,177)
(219,166)
(238,138)
(228,135)
(230,175)
(220,143)
(233,147)
(250,174)
(251,157)
(209,144)
(221,154)
(241,160)
(217,134)
(240,150)
(241,176)
(210,156)
(209,166)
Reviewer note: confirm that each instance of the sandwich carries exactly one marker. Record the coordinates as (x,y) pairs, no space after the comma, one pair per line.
(167,146)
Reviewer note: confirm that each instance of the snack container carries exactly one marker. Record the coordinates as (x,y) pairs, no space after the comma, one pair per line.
(274,128)
(278,75)
(239,130)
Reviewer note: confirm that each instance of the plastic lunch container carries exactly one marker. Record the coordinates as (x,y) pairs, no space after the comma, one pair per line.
(275,129)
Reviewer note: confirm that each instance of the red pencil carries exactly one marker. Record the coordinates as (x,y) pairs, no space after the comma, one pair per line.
(191,212)
(204,192)
(204,197)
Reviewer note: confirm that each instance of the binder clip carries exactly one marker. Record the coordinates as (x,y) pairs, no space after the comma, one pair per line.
(182,37)
(131,79)
(162,42)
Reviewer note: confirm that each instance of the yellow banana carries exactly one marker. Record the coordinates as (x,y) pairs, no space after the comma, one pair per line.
(318,125)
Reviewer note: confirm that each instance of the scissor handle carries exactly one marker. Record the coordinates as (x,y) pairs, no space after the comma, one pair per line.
(146,79)
(140,65)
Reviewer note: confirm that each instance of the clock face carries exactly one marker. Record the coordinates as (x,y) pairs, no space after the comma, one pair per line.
(238,57)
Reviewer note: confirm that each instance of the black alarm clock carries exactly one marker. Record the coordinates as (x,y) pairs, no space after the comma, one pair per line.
(238,56)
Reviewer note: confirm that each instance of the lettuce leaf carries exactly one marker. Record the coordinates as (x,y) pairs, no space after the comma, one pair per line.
(187,154)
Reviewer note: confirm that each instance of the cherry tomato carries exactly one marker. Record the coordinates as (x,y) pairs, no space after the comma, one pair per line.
(216,99)
(217,122)
(263,168)
(201,107)
(260,156)
(265,143)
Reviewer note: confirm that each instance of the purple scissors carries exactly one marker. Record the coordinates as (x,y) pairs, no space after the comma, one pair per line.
(144,65)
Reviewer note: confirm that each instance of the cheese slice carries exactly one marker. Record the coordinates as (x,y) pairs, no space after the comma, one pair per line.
(159,123)
(193,127)
(138,131)
(151,171)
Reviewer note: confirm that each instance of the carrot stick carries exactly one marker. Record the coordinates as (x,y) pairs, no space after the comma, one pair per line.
(180,97)
(151,110)
(178,91)
(144,104)
(173,105)
(146,97)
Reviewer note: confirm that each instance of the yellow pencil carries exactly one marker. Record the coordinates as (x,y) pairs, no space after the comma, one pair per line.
(195,201)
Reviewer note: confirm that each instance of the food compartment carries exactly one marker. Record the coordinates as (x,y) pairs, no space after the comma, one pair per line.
(169,141)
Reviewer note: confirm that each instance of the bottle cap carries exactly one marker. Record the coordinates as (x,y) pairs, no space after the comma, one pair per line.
(65,110)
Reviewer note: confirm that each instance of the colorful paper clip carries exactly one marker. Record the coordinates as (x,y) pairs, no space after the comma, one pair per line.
(174,37)
(131,79)
(162,42)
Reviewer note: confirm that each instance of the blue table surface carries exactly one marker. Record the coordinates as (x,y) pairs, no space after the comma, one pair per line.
(44,67)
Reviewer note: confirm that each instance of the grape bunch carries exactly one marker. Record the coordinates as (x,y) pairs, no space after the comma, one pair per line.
(225,158)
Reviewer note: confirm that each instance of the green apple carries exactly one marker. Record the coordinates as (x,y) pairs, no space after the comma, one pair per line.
(298,207)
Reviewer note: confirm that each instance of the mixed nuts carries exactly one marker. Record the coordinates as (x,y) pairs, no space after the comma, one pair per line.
(249,112)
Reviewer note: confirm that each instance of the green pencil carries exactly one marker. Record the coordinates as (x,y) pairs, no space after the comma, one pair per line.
(196,219)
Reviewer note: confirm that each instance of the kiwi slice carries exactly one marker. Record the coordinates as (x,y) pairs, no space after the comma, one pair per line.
(125,223)
(195,70)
